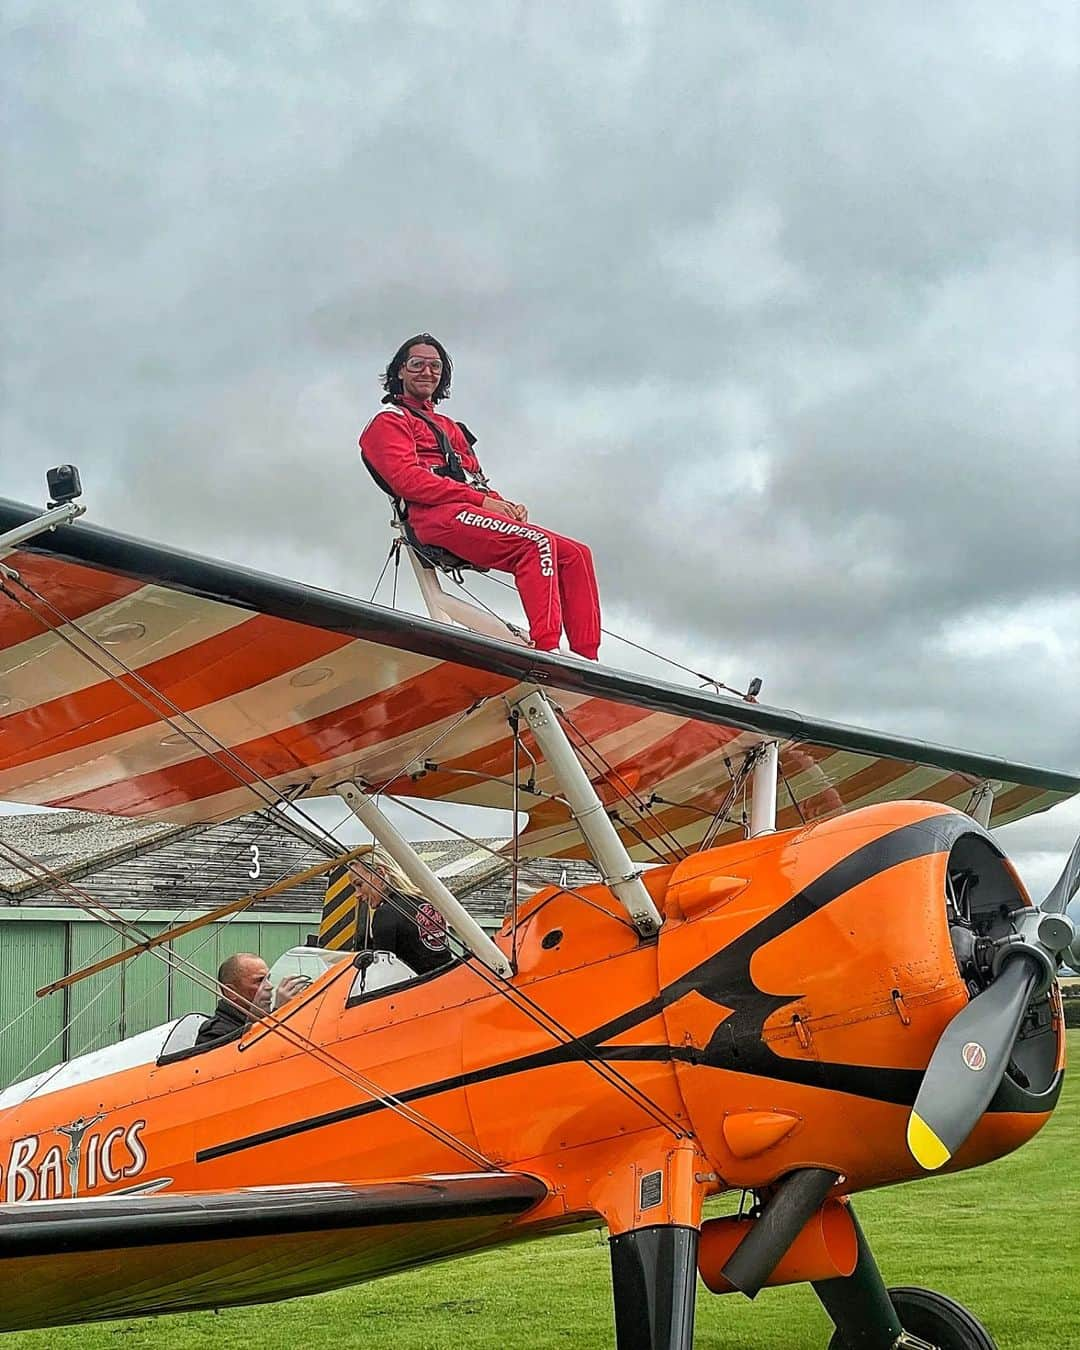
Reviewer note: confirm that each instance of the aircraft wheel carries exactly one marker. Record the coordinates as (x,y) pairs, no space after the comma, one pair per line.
(935,1318)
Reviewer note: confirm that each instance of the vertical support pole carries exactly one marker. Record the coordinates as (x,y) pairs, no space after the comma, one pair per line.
(654,1281)
(859,1304)
(515,727)
(424,879)
(430,590)
(763,791)
(616,866)
(982,804)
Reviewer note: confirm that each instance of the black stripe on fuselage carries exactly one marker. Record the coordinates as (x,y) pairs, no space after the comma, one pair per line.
(724,979)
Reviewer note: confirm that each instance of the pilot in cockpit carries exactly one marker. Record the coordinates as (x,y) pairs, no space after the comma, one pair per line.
(246,996)
(395,917)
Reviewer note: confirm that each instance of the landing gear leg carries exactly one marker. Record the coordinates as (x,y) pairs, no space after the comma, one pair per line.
(860,1305)
(870,1317)
(654,1280)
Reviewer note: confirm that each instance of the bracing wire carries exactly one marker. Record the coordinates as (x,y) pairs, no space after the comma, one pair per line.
(607,632)
(393,550)
(605,770)
(550,1024)
(421,756)
(148,993)
(278,798)
(738,780)
(794,800)
(194,973)
(265,820)
(103,913)
(180,721)
(525,871)
(279,1027)
(618,781)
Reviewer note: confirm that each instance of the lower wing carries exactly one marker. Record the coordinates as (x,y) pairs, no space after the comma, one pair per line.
(126,1256)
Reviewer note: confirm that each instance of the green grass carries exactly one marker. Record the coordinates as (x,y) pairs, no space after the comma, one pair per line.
(1004,1239)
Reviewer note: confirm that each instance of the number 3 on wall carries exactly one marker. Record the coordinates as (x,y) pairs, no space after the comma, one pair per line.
(253,870)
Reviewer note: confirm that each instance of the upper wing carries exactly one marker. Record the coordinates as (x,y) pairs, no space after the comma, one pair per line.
(247,686)
(125,1256)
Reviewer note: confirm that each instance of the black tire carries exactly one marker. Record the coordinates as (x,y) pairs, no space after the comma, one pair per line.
(936,1318)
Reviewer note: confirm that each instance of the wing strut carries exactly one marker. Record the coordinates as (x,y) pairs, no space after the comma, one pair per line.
(981,806)
(418,872)
(620,873)
(763,792)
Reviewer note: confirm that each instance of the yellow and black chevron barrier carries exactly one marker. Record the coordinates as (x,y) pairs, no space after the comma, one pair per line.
(338,929)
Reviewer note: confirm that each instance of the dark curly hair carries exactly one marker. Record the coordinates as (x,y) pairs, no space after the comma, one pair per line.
(391,380)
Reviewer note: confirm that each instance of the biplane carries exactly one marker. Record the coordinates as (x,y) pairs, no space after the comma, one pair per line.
(828,979)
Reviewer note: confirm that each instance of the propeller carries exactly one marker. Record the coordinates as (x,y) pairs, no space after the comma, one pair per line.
(970,1059)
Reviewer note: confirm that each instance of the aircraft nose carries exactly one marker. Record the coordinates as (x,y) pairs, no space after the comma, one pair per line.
(1008,956)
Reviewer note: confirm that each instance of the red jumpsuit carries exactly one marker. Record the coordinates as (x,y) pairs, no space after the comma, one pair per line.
(554,575)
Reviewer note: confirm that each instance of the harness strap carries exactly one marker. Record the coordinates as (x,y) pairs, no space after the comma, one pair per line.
(454,467)
(430,555)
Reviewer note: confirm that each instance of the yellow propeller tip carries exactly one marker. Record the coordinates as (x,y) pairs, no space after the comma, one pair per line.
(926,1148)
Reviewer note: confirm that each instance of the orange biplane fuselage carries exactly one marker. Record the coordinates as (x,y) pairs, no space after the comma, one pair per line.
(781,1020)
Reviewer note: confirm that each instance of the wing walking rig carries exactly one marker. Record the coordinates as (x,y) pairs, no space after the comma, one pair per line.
(830,979)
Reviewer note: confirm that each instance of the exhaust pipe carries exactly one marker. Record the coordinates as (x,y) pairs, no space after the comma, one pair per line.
(797,1204)
(826,1249)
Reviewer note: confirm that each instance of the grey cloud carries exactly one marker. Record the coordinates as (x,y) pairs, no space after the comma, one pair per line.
(776,308)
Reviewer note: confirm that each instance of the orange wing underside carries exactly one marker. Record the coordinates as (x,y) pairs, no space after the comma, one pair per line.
(228,707)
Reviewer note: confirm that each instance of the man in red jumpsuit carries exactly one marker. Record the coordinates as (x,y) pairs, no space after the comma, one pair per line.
(427,460)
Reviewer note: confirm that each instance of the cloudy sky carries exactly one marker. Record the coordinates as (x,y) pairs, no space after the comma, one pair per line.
(775,304)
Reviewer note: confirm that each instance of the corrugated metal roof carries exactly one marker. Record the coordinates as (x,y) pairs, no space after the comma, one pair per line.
(163,866)
(133,862)
(66,841)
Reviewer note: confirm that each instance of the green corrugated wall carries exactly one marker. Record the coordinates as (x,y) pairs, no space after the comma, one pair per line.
(139,994)
(30,956)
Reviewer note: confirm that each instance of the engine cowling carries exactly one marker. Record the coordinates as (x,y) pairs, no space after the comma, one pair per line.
(839,953)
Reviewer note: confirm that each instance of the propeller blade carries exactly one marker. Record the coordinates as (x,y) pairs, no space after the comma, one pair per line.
(1072,952)
(1061,900)
(968,1064)
(1066,886)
